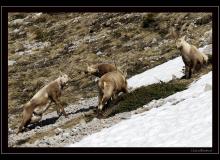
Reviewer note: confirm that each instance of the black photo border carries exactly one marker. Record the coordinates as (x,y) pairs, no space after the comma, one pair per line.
(113,150)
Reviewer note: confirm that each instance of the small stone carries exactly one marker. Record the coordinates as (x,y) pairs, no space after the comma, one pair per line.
(11,62)
(96,79)
(18,21)
(19,53)
(99,53)
(21,33)
(174,77)
(65,135)
(10,131)
(73,134)
(37,142)
(154,40)
(146,48)
(74,130)
(38,14)
(16,30)
(126,116)
(82,122)
(58,131)
(140,59)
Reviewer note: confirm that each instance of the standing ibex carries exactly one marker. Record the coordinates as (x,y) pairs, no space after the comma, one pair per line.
(110,85)
(40,102)
(192,57)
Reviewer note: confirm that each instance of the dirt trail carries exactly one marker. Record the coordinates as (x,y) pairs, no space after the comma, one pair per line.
(54,131)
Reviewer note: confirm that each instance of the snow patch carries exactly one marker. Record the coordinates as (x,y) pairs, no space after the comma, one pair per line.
(187,123)
(207,49)
(164,72)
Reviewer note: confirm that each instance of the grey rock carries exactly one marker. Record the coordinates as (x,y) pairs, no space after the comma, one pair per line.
(58,131)
(18,21)
(16,30)
(11,62)
(99,53)
(65,135)
(125,115)
(10,131)
(154,40)
(174,77)
(141,110)
(95,120)
(20,53)
(37,142)
(74,131)
(36,16)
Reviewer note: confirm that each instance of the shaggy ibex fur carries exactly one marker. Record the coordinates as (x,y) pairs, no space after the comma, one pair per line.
(109,86)
(192,57)
(40,102)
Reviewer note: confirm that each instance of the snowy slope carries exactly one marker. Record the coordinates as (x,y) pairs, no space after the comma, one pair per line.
(183,120)
(163,72)
(207,49)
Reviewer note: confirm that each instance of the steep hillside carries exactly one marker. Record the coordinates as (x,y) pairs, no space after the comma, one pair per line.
(43,44)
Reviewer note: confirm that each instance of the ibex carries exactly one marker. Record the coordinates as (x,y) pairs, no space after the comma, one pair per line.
(109,86)
(192,57)
(40,102)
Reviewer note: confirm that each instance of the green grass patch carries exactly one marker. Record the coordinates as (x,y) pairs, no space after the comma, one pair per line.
(144,95)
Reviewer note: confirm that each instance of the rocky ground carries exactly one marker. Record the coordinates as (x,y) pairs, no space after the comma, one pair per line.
(41,45)
(55,132)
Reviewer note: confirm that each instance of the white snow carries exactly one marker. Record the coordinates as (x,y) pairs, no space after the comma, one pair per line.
(183,120)
(163,72)
(207,49)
